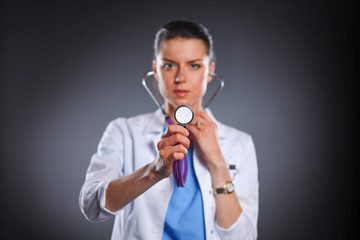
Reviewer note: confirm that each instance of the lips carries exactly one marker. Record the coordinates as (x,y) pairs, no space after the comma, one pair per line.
(181,92)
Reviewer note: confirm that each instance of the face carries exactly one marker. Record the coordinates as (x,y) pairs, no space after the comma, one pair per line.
(182,69)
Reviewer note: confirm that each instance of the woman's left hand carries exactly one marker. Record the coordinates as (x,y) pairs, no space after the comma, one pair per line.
(204,130)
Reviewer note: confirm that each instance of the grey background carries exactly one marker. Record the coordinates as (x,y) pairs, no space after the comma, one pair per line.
(68,68)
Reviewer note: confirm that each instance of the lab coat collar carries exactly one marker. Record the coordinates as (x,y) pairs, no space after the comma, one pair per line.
(157,120)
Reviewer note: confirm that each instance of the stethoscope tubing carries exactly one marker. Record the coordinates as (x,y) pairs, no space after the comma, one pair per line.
(157,102)
(180,167)
(179,174)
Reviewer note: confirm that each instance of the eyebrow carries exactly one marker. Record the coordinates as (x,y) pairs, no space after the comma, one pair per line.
(191,61)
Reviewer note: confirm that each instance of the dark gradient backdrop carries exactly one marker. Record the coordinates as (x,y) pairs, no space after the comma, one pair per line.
(70,67)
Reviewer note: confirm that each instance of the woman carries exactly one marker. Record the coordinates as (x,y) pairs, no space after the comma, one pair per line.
(130,176)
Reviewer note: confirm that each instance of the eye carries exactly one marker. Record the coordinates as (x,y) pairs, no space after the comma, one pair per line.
(194,66)
(168,66)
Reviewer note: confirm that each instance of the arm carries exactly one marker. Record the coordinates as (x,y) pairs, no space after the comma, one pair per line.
(106,191)
(228,208)
(247,191)
(236,213)
(173,146)
(123,190)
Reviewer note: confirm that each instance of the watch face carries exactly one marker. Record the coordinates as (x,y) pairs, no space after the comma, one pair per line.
(230,187)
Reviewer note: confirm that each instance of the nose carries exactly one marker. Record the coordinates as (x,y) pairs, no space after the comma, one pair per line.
(180,76)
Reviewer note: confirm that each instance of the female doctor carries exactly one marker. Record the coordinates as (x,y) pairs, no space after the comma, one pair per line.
(130,175)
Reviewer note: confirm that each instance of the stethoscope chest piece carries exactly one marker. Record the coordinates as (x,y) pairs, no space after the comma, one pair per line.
(184,115)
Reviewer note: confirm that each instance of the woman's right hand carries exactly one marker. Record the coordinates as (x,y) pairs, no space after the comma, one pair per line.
(172,146)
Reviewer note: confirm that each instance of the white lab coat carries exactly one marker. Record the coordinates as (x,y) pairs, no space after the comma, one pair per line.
(129,144)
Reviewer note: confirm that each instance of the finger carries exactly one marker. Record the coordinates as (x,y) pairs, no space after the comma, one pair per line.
(173,129)
(178,152)
(199,122)
(206,117)
(177,156)
(174,140)
(197,119)
(172,154)
(208,122)
(199,125)
(193,129)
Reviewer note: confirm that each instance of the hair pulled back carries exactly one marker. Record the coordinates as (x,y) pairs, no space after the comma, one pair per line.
(187,30)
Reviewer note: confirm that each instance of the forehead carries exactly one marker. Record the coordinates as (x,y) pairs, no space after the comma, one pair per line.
(183,48)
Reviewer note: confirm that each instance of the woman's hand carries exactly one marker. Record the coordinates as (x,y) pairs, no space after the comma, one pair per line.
(204,130)
(172,146)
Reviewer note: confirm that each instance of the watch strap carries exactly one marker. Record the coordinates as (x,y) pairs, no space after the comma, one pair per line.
(223,189)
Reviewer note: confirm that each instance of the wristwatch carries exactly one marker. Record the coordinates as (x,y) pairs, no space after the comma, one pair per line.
(227,188)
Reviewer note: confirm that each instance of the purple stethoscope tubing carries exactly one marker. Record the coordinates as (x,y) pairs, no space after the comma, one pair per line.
(180,173)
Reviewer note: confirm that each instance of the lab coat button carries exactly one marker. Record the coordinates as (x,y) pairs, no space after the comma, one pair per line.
(154,230)
(211,231)
(210,192)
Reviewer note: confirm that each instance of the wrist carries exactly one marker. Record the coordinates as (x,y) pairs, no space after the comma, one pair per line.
(153,172)
(217,166)
(226,188)
(219,174)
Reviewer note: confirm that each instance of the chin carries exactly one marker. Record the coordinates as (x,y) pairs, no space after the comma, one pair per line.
(181,102)
(189,104)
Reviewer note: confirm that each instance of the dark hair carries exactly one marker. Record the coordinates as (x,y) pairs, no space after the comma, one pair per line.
(184,29)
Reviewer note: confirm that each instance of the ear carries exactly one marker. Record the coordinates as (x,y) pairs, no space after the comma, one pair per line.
(154,70)
(211,70)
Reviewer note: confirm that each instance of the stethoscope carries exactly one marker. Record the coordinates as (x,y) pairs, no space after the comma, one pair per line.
(183,115)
